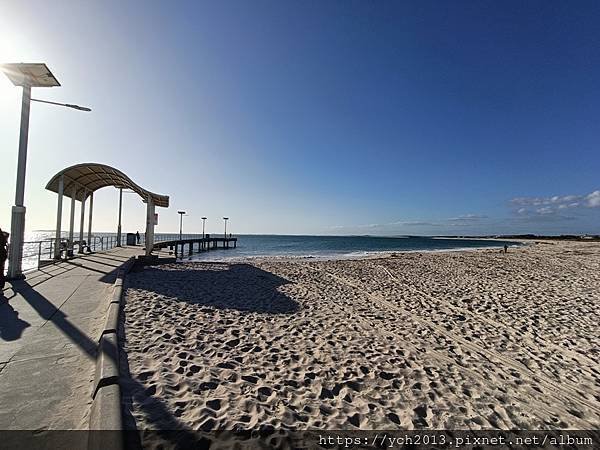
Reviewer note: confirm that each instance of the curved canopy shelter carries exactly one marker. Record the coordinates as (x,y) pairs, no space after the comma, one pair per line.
(79,182)
(89,177)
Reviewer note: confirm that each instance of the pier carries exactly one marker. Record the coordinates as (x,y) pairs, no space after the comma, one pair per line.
(201,244)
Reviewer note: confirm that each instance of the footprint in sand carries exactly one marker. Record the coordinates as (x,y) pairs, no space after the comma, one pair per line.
(419,420)
(215,405)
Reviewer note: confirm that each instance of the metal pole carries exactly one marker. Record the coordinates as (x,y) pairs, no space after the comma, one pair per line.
(180,224)
(149,226)
(225,235)
(17,225)
(203,222)
(82,221)
(61,187)
(89,237)
(72,221)
(120,209)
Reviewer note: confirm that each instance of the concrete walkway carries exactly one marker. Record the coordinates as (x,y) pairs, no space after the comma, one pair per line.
(48,332)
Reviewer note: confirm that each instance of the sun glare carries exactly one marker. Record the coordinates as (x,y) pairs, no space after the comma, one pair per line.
(10,48)
(13,48)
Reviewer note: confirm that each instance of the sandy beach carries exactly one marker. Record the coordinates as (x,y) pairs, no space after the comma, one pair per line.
(442,340)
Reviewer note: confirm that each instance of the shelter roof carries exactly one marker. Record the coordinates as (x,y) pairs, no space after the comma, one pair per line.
(89,177)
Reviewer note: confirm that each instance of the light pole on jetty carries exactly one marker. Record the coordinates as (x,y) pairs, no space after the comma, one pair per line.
(181,214)
(225,219)
(25,76)
(203,222)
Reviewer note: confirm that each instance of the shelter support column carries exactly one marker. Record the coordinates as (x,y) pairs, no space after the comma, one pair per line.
(61,187)
(72,221)
(120,210)
(89,234)
(82,221)
(149,226)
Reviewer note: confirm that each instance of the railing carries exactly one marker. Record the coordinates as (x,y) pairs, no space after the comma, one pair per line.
(35,252)
(174,237)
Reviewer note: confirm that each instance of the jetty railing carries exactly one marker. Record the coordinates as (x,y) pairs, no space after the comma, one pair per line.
(39,253)
(36,254)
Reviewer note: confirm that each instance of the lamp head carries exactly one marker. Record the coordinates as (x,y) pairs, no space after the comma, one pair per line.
(80,108)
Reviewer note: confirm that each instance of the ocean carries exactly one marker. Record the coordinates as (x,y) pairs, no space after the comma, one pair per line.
(252,245)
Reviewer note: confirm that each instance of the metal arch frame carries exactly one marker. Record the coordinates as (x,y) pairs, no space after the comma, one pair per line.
(80,181)
(101,176)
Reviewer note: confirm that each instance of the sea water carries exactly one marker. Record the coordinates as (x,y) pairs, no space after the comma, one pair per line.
(285,246)
(252,246)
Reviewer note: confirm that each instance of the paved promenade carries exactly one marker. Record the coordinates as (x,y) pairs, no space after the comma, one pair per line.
(48,332)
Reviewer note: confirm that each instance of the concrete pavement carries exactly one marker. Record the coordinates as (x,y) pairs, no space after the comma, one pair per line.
(49,329)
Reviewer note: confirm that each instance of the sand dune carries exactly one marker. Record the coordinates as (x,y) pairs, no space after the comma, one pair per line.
(472,340)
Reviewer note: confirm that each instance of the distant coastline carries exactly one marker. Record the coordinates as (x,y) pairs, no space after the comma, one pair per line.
(562,237)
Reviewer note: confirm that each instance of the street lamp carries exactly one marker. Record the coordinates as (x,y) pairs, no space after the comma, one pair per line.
(181,214)
(203,222)
(225,219)
(25,76)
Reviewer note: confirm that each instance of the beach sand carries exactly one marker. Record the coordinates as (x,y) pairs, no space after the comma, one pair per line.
(443,340)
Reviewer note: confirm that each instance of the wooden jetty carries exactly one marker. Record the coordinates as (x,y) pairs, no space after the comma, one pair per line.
(200,244)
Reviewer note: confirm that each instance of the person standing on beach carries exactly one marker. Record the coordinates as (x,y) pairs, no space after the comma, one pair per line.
(137,237)
(505,248)
(3,255)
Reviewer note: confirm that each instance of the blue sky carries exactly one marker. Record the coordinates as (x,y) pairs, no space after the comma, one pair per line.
(316,117)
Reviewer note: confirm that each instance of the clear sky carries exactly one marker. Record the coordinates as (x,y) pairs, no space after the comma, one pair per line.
(316,117)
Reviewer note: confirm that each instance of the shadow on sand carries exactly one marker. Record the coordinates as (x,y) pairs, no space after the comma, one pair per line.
(238,286)
(242,287)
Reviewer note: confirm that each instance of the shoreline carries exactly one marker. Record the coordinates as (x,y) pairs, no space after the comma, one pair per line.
(375,254)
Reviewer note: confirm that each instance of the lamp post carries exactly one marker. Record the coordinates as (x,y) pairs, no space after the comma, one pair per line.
(25,76)
(181,214)
(203,222)
(225,219)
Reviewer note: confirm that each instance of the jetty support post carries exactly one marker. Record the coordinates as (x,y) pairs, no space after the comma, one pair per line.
(72,222)
(82,221)
(89,234)
(120,210)
(61,187)
(149,226)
